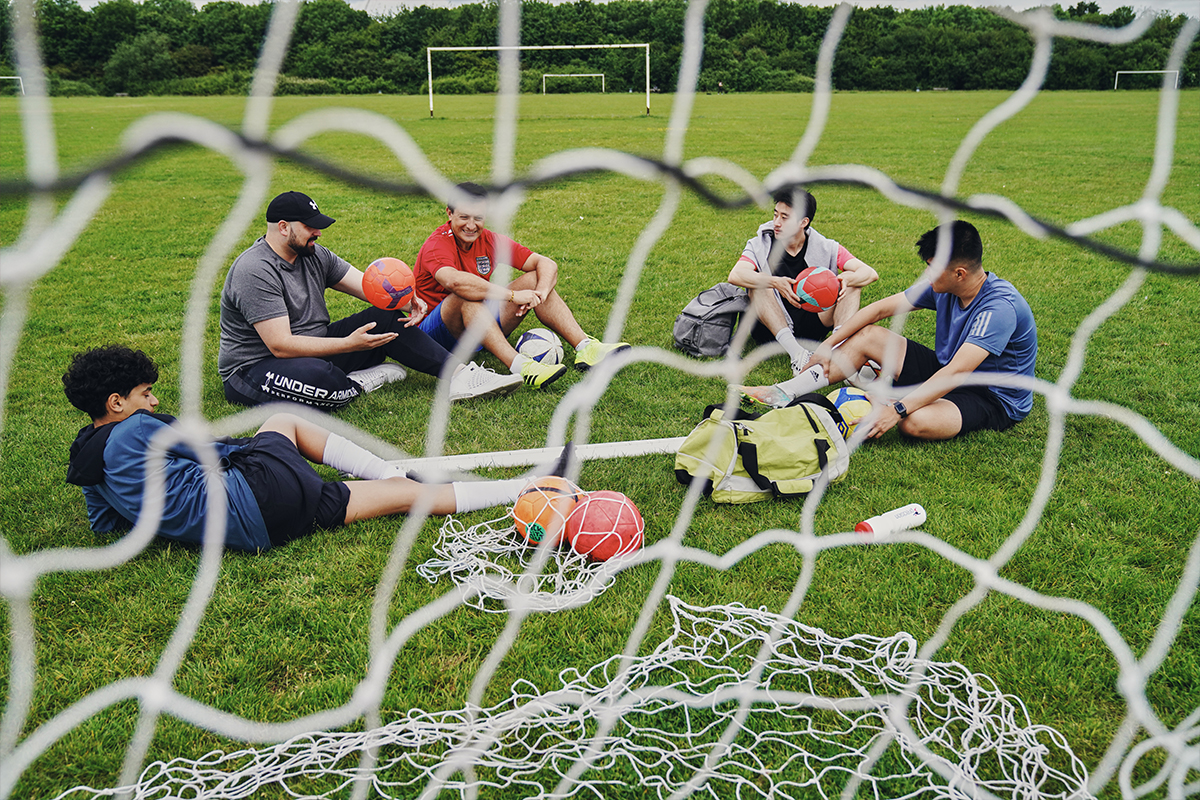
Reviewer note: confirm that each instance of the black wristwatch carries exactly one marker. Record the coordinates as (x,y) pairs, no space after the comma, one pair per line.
(900,409)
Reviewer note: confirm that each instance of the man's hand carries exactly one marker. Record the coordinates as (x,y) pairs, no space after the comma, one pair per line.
(361,339)
(526,300)
(886,420)
(787,290)
(417,311)
(822,358)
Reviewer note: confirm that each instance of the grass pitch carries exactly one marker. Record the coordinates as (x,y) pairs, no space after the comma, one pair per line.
(286,633)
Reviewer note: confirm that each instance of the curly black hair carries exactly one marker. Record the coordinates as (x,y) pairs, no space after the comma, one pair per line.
(95,374)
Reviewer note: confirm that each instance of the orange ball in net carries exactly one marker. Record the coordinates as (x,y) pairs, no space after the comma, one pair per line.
(542,508)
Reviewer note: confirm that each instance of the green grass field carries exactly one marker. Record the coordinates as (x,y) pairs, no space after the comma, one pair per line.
(286,633)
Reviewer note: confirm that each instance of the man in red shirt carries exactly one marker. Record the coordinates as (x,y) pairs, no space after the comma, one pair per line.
(454,271)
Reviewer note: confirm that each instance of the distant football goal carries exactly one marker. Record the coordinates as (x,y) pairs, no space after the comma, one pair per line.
(429,51)
(1120,72)
(599,75)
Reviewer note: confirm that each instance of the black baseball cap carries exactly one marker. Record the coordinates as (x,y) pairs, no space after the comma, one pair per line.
(297,207)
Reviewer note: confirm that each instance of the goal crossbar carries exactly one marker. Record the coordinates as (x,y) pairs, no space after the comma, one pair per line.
(599,75)
(429,51)
(1121,72)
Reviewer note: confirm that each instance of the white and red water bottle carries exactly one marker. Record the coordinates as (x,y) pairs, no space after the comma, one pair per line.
(899,519)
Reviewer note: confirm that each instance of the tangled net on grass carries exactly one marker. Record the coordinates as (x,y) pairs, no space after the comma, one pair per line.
(735,702)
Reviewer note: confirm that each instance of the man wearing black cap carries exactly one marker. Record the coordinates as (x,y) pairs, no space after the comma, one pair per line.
(277,342)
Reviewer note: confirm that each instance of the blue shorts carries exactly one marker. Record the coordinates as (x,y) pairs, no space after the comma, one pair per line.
(979,407)
(435,327)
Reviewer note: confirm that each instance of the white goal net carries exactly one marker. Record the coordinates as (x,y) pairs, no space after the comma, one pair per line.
(733,701)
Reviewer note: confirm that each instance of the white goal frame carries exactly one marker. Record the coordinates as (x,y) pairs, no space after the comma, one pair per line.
(599,75)
(16,78)
(429,51)
(1121,72)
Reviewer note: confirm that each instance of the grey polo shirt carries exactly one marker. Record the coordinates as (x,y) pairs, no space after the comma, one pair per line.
(261,286)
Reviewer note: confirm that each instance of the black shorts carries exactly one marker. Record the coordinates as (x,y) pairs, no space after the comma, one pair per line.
(805,325)
(292,497)
(978,405)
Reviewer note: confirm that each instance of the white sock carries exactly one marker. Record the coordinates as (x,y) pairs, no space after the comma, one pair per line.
(518,362)
(345,456)
(807,381)
(583,343)
(795,351)
(474,495)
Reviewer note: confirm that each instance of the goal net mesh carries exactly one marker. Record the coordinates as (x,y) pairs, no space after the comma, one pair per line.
(734,701)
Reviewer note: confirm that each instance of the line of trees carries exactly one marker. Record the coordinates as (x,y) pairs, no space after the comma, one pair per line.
(171,47)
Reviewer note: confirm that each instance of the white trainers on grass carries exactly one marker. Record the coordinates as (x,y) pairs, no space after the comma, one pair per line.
(476,381)
(372,378)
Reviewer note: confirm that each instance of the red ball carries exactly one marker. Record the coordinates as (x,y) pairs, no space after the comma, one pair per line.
(605,525)
(388,283)
(817,288)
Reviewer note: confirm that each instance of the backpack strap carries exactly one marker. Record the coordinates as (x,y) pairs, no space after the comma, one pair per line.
(749,452)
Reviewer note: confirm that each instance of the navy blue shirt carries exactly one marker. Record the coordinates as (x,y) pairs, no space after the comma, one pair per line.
(110,462)
(999,320)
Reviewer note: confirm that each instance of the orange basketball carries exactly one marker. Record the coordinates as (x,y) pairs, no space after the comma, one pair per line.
(542,508)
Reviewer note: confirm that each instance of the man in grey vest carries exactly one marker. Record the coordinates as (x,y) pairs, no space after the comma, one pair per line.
(277,341)
(779,251)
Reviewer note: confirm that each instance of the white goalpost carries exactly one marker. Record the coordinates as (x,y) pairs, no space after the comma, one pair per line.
(17,78)
(599,75)
(1121,72)
(429,51)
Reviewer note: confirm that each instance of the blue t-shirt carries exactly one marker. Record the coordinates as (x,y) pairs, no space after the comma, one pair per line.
(116,501)
(999,320)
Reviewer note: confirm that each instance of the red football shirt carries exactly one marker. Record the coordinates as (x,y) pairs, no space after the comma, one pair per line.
(441,250)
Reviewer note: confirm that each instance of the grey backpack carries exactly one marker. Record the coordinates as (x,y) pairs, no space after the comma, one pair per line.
(705,326)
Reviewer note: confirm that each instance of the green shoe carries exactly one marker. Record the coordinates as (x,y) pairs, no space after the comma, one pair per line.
(594,352)
(539,375)
(764,396)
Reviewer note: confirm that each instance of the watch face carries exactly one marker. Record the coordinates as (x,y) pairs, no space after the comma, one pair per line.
(900,409)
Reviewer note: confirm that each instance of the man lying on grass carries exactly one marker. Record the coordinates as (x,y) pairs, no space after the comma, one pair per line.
(274,494)
(983,325)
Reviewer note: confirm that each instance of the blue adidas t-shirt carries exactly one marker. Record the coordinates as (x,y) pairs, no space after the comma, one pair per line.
(998,320)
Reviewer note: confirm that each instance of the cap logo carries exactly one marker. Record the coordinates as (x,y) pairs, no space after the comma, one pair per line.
(313,203)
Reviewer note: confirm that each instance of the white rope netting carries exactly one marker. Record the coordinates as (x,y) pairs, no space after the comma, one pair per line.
(808,708)
(492,562)
(735,702)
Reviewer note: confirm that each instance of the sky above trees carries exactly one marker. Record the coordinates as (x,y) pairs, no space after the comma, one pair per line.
(1187,7)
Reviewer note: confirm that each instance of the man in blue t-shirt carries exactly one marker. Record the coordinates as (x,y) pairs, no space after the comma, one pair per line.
(273,494)
(984,327)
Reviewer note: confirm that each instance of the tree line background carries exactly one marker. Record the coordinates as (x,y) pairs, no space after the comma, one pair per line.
(171,47)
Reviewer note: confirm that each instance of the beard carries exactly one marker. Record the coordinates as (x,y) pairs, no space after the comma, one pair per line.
(302,247)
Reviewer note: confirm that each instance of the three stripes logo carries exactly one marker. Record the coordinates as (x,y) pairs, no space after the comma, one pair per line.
(979,325)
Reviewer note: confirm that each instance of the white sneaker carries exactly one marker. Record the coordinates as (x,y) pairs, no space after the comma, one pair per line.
(476,381)
(800,362)
(372,378)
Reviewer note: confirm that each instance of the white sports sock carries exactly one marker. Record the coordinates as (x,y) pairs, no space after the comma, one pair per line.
(583,343)
(345,456)
(795,351)
(518,362)
(810,380)
(474,495)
